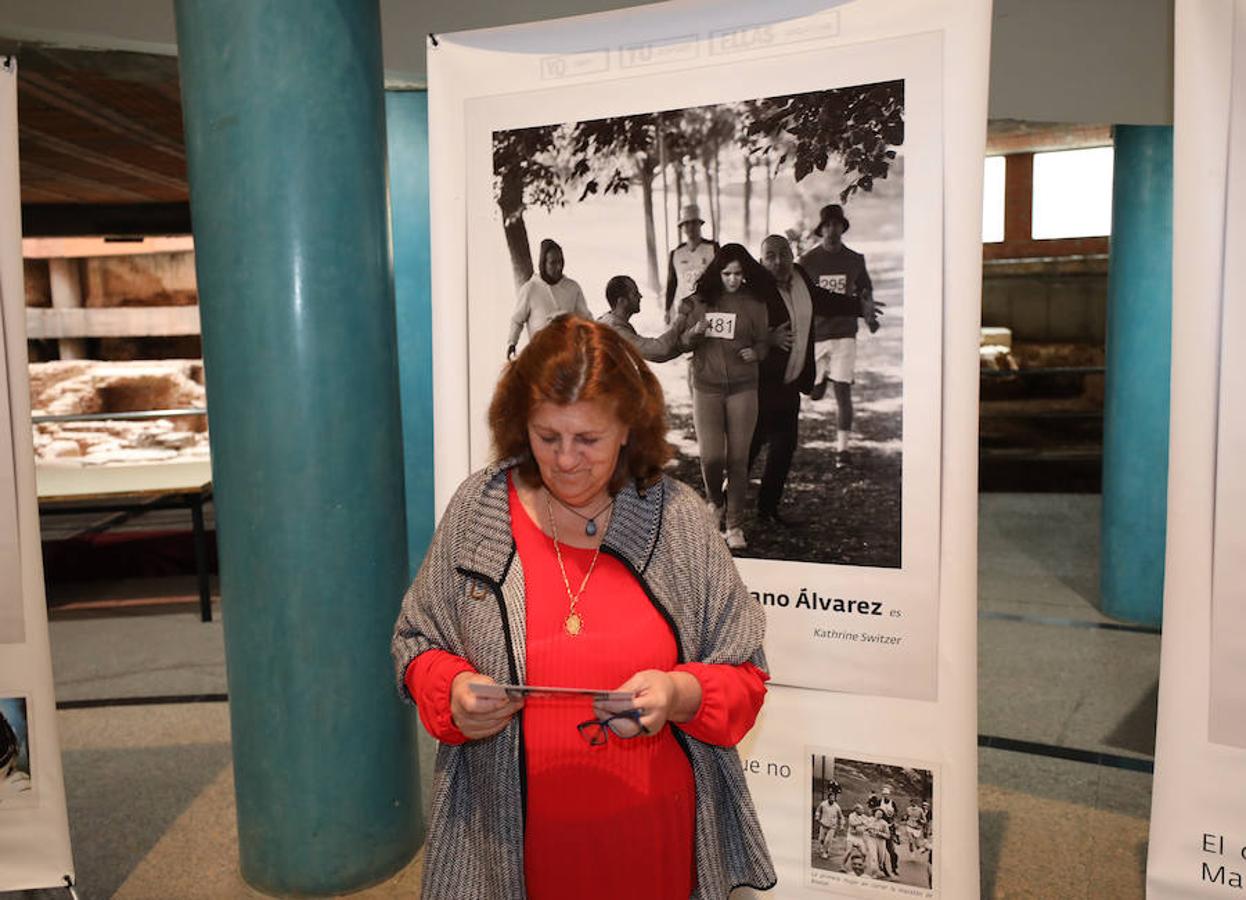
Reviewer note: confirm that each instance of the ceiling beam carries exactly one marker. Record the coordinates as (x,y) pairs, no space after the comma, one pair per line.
(103,160)
(61,96)
(59,178)
(77,219)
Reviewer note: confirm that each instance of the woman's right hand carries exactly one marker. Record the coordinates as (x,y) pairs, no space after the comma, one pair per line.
(479,717)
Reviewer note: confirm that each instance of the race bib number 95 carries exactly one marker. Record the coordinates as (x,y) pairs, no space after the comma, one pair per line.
(720,325)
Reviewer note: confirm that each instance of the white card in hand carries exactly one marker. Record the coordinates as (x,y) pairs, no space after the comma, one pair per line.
(515,691)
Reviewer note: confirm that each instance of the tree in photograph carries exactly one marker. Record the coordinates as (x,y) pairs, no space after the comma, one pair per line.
(859,124)
(609,155)
(525,173)
(769,153)
(755,147)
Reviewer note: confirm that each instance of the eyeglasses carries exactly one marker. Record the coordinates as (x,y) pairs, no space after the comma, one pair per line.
(625,725)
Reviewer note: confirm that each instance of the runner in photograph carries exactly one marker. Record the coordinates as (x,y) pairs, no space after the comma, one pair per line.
(730,301)
(879,832)
(842,270)
(914,825)
(689,259)
(829,817)
(624,298)
(548,293)
(788,370)
(856,843)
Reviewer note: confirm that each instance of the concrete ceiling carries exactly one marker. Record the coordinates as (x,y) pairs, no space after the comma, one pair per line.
(99,127)
(1052,60)
(101,131)
(147,26)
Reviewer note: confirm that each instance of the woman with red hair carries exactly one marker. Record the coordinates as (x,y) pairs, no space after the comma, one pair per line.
(574,562)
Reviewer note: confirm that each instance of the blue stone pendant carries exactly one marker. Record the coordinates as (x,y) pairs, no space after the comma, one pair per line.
(591,528)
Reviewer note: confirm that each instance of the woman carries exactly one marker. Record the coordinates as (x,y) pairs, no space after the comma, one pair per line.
(574,562)
(548,293)
(880,859)
(731,300)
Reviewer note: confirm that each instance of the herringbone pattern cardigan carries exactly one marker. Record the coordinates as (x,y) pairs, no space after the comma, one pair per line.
(468,598)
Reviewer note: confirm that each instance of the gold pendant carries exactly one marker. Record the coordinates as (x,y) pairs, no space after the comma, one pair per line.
(573,624)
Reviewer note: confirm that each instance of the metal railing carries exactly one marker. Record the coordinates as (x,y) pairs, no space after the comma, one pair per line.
(104,417)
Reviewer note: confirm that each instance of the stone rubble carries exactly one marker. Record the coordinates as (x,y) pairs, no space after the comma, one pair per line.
(78,387)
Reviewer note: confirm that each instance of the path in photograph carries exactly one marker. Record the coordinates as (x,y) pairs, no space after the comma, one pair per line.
(912,870)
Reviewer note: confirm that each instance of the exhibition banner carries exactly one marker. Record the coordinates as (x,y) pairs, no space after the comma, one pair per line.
(1198,819)
(627,146)
(34,825)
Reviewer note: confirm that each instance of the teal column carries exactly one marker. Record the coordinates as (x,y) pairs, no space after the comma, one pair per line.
(406,114)
(1139,350)
(284,112)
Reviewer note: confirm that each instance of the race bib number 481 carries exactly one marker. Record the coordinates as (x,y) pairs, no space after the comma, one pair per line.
(720,325)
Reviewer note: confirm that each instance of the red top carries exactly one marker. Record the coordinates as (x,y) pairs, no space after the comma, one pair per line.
(632,800)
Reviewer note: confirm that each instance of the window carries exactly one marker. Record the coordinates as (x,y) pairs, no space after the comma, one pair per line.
(1072,193)
(993,200)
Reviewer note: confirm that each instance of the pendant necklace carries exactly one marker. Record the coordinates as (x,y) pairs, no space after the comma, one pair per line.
(590,522)
(574,622)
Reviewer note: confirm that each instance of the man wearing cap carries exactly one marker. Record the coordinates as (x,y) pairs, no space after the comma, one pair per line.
(689,259)
(548,293)
(624,299)
(837,268)
(788,369)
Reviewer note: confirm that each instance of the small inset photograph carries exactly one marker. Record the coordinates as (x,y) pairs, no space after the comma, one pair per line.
(16,786)
(872,824)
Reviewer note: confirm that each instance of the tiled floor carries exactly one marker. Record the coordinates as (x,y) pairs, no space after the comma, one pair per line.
(1050,827)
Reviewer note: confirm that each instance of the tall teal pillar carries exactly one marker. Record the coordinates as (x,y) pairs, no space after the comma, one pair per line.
(1139,350)
(406,114)
(284,113)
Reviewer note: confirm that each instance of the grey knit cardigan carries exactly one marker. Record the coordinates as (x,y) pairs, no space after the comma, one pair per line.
(468,599)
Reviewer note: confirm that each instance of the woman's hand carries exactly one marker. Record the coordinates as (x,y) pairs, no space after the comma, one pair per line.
(663,696)
(479,717)
(748,354)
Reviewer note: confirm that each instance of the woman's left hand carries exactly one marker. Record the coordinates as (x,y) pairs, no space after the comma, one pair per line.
(748,354)
(664,697)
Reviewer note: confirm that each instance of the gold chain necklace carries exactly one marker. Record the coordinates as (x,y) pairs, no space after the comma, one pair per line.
(574,622)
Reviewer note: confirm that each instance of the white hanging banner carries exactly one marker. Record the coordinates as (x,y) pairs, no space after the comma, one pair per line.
(1197,845)
(612,135)
(34,825)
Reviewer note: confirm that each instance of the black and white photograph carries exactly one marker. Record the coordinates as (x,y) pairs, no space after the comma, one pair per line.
(16,786)
(753,251)
(870,823)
